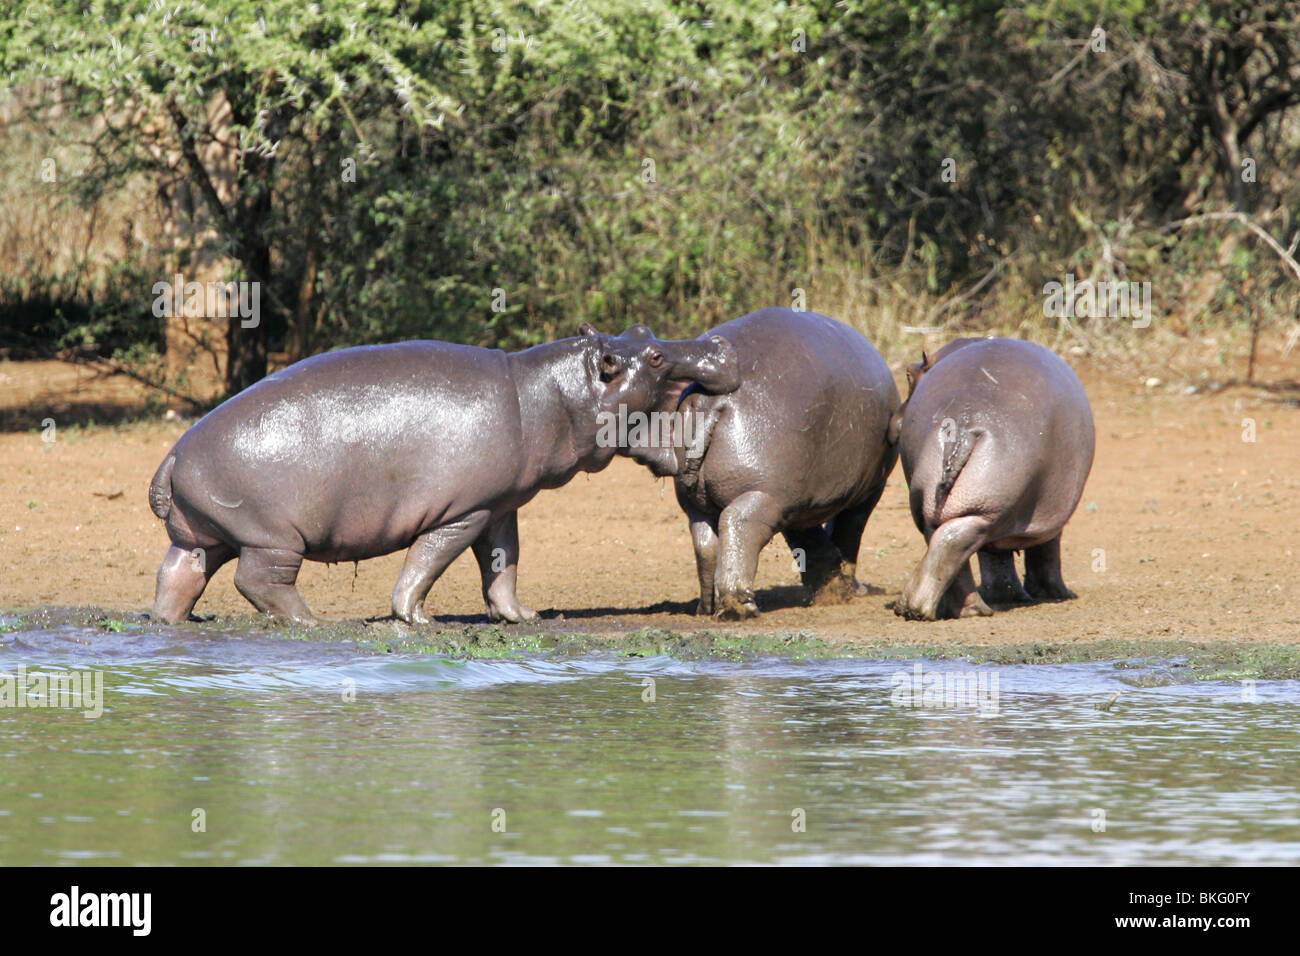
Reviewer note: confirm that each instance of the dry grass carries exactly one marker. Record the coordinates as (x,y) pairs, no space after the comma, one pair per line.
(54,246)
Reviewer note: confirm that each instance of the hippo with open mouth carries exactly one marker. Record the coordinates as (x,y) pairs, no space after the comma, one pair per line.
(422,445)
(801,447)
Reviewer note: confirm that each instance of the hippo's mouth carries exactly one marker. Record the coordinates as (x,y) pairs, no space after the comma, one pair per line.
(676,393)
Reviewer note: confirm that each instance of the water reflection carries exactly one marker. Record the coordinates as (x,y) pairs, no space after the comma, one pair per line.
(308,755)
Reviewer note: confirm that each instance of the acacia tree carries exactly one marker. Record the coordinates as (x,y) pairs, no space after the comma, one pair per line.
(675,162)
(283,77)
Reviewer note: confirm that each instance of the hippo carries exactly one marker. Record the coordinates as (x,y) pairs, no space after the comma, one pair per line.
(801,447)
(423,445)
(996,438)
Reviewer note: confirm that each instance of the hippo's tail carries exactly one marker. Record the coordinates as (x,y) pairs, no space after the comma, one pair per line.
(955,455)
(160,489)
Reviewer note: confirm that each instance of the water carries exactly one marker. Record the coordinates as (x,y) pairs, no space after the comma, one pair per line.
(305,753)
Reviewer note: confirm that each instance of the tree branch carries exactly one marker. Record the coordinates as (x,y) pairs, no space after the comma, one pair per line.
(1249,224)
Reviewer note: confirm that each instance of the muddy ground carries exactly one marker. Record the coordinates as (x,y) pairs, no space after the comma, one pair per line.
(1186,532)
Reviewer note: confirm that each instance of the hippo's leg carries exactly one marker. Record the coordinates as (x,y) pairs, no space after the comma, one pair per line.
(999,583)
(1043,572)
(428,557)
(962,599)
(266,576)
(827,578)
(846,530)
(947,557)
(497,552)
(744,528)
(182,577)
(704,535)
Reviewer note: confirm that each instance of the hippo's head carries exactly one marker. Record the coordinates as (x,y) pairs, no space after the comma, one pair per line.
(917,369)
(638,380)
(638,372)
(914,373)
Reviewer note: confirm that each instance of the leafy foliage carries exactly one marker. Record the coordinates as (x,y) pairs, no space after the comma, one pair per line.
(494,172)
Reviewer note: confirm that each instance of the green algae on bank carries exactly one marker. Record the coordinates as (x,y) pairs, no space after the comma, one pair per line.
(1182,660)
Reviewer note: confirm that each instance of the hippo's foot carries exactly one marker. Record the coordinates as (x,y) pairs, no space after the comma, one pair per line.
(1005,592)
(827,577)
(918,612)
(909,612)
(510,615)
(973,606)
(184,574)
(942,584)
(1048,590)
(704,607)
(738,606)
(919,600)
(289,617)
(962,599)
(999,583)
(949,607)
(1043,572)
(414,616)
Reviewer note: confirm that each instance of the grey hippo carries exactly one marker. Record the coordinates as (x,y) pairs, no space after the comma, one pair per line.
(996,438)
(424,445)
(801,447)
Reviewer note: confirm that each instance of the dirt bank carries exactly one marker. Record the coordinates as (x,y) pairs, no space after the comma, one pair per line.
(1195,528)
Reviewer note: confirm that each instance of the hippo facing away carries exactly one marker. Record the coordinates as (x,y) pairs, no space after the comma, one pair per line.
(996,439)
(801,447)
(428,445)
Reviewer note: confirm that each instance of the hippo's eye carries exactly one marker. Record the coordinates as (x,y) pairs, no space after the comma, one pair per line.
(656,359)
(608,366)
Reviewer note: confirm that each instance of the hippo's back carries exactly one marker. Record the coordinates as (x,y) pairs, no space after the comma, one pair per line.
(357,445)
(1018,388)
(808,422)
(772,343)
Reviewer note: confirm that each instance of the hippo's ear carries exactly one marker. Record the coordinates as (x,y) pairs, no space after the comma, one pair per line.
(638,332)
(586,329)
(925,359)
(914,373)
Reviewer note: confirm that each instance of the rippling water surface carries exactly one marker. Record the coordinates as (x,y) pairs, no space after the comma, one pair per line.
(243,750)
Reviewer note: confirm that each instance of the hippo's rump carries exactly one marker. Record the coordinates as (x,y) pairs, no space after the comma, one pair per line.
(1023,391)
(1000,428)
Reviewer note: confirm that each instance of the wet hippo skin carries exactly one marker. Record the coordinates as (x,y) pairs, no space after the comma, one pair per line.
(422,445)
(801,448)
(996,439)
